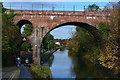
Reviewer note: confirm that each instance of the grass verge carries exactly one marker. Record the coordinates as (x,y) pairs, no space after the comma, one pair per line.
(40,72)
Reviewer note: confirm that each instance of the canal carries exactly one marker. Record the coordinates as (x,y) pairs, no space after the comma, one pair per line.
(66,66)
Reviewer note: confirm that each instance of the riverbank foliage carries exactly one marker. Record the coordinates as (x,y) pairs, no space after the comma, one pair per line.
(40,72)
(83,44)
(110,57)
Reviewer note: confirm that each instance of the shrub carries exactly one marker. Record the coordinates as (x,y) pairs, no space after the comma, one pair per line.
(40,72)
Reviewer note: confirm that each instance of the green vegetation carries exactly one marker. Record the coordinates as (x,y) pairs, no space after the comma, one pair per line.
(48,42)
(93,7)
(11,12)
(40,72)
(10,39)
(84,45)
(47,52)
(110,57)
(28,29)
(3,9)
(104,29)
(26,46)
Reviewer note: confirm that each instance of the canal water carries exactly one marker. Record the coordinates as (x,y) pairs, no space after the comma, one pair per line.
(65,66)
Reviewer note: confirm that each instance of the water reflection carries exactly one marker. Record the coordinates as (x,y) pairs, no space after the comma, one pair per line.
(64,66)
(85,69)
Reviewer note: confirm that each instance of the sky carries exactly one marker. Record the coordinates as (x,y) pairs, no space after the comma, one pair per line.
(68,6)
(22,29)
(35,4)
(63,32)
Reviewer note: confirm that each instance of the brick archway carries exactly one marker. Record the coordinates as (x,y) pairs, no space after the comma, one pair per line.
(25,54)
(22,22)
(93,30)
(44,21)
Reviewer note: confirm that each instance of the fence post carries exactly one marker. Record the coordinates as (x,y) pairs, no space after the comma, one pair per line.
(32,8)
(74,8)
(10,6)
(84,12)
(42,8)
(63,7)
(21,8)
(53,7)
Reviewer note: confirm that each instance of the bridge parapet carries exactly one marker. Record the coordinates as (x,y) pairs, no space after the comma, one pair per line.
(60,13)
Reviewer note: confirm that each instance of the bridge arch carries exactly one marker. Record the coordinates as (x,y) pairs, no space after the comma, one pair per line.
(93,30)
(22,22)
(24,52)
(21,42)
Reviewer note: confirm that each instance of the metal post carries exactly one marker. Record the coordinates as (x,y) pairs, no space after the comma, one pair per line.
(84,10)
(32,8)
(53,7)
(42,6)
(74,8)
(10,6)
(21,8)
(63,7)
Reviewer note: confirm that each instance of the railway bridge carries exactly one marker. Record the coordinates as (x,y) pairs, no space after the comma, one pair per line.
(47,20)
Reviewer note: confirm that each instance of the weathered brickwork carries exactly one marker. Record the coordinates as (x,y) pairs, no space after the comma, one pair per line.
(43,21)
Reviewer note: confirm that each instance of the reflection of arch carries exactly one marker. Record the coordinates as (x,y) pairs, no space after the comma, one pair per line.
(22,22)
(88,27)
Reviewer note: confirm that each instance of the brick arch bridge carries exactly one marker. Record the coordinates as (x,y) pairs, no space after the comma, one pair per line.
(44,21)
